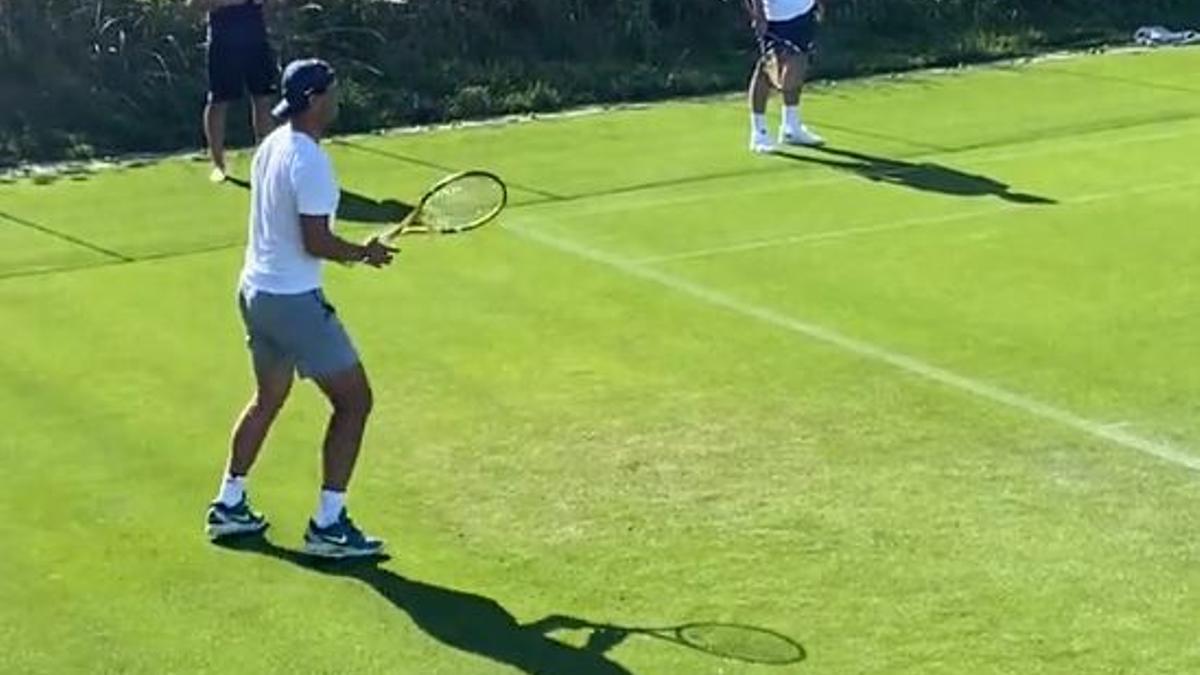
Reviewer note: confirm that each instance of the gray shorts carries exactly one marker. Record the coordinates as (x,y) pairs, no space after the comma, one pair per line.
(298,331)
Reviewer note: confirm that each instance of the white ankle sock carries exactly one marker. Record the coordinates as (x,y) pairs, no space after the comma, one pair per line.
(330,508)
(233,489)
(791,117)
(758,123)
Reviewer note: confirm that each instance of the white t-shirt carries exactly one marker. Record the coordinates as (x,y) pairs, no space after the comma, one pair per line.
(291,175)
(785,10)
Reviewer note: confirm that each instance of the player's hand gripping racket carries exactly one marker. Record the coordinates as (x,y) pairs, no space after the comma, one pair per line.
(458,203)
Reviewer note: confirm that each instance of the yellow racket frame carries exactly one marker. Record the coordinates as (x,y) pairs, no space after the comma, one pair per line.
(412,224)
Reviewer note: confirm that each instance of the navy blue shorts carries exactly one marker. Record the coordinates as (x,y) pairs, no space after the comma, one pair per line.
(238,66)
(794,36)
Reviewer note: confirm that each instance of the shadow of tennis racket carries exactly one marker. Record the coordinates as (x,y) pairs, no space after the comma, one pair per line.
(734,641)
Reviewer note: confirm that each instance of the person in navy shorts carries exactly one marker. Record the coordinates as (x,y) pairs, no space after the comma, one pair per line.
(240,60)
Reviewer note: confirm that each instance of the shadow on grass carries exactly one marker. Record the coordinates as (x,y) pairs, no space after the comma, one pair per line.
(479,625)
(923,176)
(356,208)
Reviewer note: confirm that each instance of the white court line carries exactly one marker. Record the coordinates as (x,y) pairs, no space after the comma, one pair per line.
(846,233)
(646,198)
(910,223)
(866,350)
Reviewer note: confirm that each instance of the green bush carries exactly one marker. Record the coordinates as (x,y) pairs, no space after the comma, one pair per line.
(80,77)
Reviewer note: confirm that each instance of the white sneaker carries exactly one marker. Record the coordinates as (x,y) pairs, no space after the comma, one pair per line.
(760,144)
(800,136)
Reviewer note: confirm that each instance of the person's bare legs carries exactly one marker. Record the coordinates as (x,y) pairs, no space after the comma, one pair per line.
(793,72)
(214,130)
(758,96)
(251,430)
(350,395)
(331,533)
(760,87)
(230,512)
(264,122)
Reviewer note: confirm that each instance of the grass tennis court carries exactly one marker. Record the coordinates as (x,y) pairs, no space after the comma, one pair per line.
(925,402)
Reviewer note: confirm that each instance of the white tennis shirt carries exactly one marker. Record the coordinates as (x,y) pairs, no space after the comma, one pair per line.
(785,10)
(291,175)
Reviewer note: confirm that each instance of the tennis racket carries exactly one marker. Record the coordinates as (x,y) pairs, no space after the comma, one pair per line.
(725,640)
(457,203)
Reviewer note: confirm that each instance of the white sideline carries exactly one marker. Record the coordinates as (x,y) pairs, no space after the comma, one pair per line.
(909,223)
(1107,432)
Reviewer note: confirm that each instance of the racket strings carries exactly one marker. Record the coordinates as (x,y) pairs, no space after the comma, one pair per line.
(743,643)
(463,203)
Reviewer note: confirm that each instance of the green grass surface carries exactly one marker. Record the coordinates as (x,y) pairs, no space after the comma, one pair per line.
(907,406)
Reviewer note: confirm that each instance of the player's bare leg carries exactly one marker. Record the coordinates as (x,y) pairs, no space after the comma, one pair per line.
(331,533)
(793,72)
(214,130)
(759,94)
(250,433)
(230,513)
(264,122)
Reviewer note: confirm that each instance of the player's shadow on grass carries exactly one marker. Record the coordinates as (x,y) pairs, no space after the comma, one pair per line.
(356,208)
(924,176)
(465,621)
(479,625)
